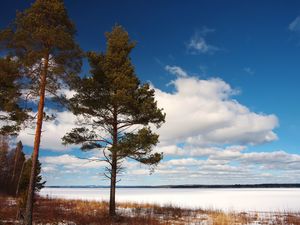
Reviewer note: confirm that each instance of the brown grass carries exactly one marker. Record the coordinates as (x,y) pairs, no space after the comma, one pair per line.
(53,211)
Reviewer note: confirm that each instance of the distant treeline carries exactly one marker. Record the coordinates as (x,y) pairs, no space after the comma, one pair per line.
(296,185)
(236,186)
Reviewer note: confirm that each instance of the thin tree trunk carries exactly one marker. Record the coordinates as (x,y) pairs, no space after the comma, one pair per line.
(15,166)
(37,140)
(16,160)
(112,200)
(17,191)
(19,180)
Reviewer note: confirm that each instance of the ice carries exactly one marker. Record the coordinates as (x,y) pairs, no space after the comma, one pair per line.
(246,199)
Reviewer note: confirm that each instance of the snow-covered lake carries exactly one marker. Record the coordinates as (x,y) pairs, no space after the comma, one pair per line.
(248,199)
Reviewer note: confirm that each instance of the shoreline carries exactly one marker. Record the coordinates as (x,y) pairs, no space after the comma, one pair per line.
(77,212)
(215,186)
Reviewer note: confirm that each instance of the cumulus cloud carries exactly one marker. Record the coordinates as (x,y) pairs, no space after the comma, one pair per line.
(199,112)
(232,164)
(69,162)
(203,112)
(52,131)
(204,139)
(68,169)
(198,44)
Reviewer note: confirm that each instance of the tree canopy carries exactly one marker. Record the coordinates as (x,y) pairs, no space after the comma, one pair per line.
(43,34)
(12,114)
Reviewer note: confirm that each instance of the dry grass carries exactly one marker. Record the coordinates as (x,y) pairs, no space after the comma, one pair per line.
(53,211)
(7,208)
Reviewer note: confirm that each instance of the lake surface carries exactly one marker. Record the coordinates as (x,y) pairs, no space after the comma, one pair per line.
(248,199)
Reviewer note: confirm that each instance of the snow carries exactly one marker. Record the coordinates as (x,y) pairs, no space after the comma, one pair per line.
(250,199)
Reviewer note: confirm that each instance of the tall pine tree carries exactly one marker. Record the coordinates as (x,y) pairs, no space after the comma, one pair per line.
(41,41)
(116,109)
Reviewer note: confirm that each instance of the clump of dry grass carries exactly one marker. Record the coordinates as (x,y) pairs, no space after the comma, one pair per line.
(8,206)
(292,219)
(83,212)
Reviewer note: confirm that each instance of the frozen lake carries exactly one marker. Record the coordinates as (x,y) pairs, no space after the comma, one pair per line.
(248,199)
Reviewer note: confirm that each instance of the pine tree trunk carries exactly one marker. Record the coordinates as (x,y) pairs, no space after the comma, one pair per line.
(15,166)
(112,200)
(16,160)
(19,180)
(37,140)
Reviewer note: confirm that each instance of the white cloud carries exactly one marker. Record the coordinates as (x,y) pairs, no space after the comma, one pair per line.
(48,169)
(198,151)
(176,70)
(206,134)
(264,161)
(68,161)
(232,165)
(273,160)
(198,44)
(68,169)
(202,112)
(295,25)
(220,166)
(53,131)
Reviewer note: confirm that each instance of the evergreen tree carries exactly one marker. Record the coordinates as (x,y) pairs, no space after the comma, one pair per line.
(16,164)
(22,187)
(41,41)
(117,110)
(12,115)
(15,170)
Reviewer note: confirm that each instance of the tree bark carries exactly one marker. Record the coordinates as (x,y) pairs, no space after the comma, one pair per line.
(20,176)
(37,140)
(112,200)
(16,158)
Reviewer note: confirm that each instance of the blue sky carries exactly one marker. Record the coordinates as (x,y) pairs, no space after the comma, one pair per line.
(249,50)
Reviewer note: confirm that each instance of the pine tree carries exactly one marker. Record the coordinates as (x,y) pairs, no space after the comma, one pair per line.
(18,159)
(41,41)
(12,114)
(23,183)
(25,179)
(117,110)
(11,166)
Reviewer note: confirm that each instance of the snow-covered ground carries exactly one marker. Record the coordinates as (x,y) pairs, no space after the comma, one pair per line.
(262,199)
